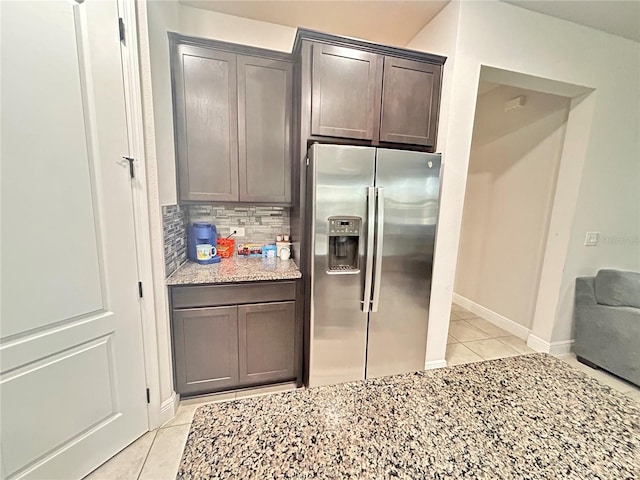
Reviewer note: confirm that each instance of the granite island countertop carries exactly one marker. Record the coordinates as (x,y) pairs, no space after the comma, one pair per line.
(526,417)
(232,270)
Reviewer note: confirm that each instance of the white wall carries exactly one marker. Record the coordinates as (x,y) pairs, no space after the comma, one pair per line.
(510,188)
(166,395)
(601,149)
(163,17)
(170,16)
(440,37)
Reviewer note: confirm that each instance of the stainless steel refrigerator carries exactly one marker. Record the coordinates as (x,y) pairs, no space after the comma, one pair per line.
(374,216)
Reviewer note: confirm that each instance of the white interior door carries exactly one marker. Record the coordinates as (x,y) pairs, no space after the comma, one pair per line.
(72,386)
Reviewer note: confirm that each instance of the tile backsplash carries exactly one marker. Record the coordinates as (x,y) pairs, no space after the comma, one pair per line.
(261,223)
(175,237)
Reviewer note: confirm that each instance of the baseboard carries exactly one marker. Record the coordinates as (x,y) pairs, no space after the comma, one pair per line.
(558,349)
(168,408)
(503,322)
(537,344)
(562,349)
(433,364)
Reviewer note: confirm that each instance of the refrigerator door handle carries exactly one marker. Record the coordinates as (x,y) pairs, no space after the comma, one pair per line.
(378,260)
(368,274)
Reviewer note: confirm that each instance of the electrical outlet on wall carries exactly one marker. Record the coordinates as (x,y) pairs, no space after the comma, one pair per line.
(591,239)
(239,231)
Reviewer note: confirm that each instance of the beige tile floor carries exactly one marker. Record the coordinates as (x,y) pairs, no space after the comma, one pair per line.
(473,339)
(157,454)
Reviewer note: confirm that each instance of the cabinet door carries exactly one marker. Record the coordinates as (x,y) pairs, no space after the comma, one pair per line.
(264,126)
(267,342)
(206,349)
(205,99)
(410,102)
(345,92)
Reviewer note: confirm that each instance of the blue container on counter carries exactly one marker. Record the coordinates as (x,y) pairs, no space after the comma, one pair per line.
(269,251)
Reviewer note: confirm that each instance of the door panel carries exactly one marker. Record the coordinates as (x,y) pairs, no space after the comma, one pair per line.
(206,348)
(264,121)
(29,134)
(345,92)
(398,331)
(267,342)
(72,380)
(410,102)
(90,371)
(206,123)
(338,325)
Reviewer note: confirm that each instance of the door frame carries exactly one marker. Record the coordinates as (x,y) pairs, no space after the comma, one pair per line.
(159,410)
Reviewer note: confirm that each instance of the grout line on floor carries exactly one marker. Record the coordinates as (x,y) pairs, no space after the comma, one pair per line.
(155,435)
(465,344)
(507,336)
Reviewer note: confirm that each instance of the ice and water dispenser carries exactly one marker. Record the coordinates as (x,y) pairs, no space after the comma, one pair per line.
(344,239)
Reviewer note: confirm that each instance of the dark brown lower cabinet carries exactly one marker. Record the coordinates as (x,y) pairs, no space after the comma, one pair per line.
(222,347)
(206,348)
(267,337)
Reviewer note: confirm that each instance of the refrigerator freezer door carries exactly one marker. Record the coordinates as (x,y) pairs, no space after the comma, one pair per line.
(341,177)
(398,329)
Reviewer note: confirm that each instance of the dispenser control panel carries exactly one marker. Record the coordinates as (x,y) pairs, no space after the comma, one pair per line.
(344,226)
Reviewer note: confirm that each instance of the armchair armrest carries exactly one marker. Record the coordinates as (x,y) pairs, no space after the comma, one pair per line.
(585,291)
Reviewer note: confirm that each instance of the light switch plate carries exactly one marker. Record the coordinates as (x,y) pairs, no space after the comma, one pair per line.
(591,239)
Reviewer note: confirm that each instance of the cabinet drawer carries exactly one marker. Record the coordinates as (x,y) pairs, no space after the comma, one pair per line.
(212,295)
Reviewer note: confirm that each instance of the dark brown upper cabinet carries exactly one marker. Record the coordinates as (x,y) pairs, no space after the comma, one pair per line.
(375,94)
(410,102)
(264,123)
(345,83)
(206,125)
(232,113)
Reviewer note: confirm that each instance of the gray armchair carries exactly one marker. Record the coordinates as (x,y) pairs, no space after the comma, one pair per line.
(607,322)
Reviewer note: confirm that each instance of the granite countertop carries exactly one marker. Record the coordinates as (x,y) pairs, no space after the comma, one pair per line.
(231,270)
(527,417)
